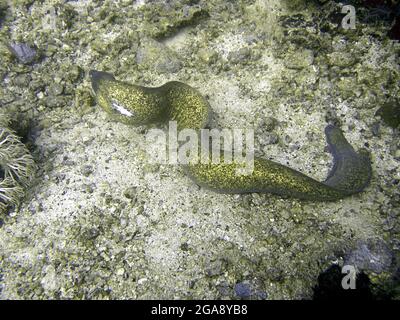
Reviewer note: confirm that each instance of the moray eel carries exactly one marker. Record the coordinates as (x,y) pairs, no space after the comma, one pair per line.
(176,101)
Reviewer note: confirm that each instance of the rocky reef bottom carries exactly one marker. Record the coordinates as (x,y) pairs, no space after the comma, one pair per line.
(100,221)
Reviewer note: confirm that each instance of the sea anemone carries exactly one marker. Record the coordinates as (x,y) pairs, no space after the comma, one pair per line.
(16,166)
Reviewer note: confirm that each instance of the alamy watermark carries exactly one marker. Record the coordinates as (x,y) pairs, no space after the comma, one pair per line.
(349,20)
(205,146)
(349,280)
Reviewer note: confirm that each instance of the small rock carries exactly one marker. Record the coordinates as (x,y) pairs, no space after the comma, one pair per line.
(397,154)
(130,193)
(87,170)
(153,54)
(91,233)
(184,246)
(272,138)
(243,290)
(40,95)
(342,59)
(371,255)
(84,100)
(251,38)
(50,282)
(299,59)
(88,188)
(262,295)
(375,129)
(224,289)
(208,56)
(56,89)
(168,65)
(22,80)
(23,52)
(240,56)
(216,268)
(269,123)
(120,272)
(55,101)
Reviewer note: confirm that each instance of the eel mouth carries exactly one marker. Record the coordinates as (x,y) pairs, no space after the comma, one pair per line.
(98,76)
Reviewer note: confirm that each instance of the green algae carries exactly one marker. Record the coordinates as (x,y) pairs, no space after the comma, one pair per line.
(390,113)
(164,20)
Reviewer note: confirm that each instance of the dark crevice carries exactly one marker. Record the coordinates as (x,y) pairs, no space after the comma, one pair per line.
(329,287)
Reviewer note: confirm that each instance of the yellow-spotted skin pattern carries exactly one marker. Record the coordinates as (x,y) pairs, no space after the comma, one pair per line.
(138,105)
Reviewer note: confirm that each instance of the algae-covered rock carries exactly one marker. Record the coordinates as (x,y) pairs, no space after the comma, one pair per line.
(342,59)
(163,19)
(156,56)
(23,52)
(390,113)
(299,59)
(208,55)
(372,255)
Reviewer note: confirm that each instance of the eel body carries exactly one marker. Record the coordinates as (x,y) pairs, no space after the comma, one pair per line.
(176,101)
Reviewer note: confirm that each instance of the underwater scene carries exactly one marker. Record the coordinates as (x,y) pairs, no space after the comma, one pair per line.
(200,149)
